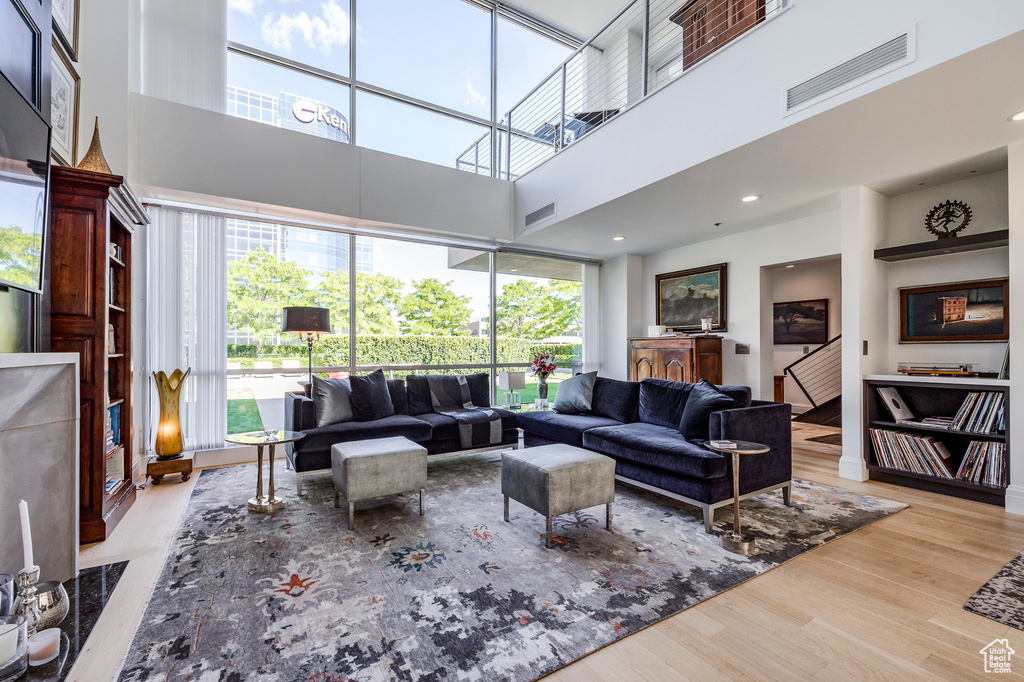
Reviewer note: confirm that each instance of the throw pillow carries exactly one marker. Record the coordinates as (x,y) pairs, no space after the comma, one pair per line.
(332,401)
(575,395)
(371,399)
(704,399)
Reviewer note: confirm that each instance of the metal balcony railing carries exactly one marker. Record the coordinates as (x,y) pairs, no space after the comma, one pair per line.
(819,374)
(647,45)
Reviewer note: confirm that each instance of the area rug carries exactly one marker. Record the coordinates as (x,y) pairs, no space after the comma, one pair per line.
(1002,597)
(828,439)
(454,595)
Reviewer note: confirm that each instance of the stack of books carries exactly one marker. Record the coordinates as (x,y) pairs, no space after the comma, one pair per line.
(983,464)
(909,452)
(982,412)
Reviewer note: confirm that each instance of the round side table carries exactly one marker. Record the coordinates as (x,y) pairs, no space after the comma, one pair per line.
(270,503)
(736,541)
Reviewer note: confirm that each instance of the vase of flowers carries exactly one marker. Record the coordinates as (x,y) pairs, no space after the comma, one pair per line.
(543,365)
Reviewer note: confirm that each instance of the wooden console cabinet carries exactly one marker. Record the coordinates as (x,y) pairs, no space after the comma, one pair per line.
(92,219)
(680,358)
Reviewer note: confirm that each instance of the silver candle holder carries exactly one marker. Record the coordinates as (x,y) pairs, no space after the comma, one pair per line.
(28,600)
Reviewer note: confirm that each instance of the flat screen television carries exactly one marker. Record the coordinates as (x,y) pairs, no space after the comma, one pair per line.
(24,183)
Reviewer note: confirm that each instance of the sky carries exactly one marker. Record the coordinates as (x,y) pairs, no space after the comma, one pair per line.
(437,51)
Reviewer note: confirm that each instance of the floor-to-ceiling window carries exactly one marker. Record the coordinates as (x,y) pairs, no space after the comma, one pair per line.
(409,77)
(418,308)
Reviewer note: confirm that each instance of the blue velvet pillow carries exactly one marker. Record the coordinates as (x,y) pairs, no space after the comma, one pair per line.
(371,399)
(703,400)
(662,401)
(576,394)
(332,399)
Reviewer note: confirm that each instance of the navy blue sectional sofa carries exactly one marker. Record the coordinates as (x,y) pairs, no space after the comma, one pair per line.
(414,419)
(638,425)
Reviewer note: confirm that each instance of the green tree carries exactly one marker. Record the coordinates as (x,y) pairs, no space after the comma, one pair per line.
(377,299)
(521,310)
(433,309)
(259,285)
(19,256)
(563,308)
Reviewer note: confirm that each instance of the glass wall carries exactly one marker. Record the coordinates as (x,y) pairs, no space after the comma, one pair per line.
(423,73)
(419,308)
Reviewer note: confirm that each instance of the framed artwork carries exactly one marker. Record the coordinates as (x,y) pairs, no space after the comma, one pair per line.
(686,296)
(801,322)
(958,312)
(64,91)
(65,24)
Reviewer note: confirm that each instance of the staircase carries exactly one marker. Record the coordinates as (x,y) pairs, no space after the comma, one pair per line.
(819,374)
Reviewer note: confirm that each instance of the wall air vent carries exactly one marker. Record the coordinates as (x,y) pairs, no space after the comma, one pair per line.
(541,214)
(888,55)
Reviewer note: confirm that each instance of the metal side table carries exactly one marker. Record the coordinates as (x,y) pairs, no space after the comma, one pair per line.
(736,541)
(270,503)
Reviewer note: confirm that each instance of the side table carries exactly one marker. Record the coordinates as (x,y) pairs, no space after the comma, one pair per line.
(736,541)
(270,503)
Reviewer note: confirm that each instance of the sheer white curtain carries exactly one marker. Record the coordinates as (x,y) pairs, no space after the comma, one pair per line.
(186,318)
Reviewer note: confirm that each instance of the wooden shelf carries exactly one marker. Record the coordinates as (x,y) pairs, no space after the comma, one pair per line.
(936,484)
(116,261)
(114,356)
(941,247)
(116,401)
(115,307)
(932,430)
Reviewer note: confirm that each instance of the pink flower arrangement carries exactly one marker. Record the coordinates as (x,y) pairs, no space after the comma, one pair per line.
(544,363)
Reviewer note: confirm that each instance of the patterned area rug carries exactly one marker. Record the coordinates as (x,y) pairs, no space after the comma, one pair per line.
(457,594)
(1002,598)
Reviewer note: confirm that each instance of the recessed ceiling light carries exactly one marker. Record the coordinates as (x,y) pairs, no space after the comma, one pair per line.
(617,239)
(513,270)
(751,197)
(790,266)
(1019,116)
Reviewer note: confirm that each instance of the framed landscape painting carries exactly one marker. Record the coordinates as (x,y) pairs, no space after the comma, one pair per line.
(686,296)
(801,322)
(958,312)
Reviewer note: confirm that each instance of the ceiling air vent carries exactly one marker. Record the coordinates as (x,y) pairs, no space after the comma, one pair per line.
(890,54)
(540,214)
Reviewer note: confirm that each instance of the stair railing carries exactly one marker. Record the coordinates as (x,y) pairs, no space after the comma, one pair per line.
(819,374)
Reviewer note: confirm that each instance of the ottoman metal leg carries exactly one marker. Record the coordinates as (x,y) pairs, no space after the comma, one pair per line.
(608,516)
(351,515)
(550,545)
(337,498)
(421,500)
(506,508)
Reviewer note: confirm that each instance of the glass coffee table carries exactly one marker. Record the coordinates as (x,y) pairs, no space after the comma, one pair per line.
(270,503)
(736,541)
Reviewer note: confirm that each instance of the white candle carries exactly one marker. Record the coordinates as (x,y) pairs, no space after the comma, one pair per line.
(26,536)
(8,641)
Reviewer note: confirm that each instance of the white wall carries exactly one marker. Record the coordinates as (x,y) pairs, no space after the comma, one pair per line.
(1015,184)
(987,195)
(699,117)
(622,286)
(814,280)
(183,56)
(748,296)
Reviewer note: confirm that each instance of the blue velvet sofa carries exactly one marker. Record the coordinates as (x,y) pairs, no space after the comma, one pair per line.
(414,419)
(638,425)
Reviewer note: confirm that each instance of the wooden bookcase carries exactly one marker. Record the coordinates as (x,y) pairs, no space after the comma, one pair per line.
(928,396)
(677,358)
(92,219)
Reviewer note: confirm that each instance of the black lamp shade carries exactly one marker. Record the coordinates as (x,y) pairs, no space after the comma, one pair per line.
(305,320)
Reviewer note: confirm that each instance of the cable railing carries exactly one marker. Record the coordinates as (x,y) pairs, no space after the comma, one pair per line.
(644,47)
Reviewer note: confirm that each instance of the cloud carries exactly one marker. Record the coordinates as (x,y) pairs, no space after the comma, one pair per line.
(320,32)
(244,6)
(475,98)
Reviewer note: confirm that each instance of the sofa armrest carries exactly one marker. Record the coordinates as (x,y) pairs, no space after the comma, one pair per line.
(767,423)
(299,412)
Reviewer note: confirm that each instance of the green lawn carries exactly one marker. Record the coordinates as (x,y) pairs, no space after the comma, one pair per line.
(243,414)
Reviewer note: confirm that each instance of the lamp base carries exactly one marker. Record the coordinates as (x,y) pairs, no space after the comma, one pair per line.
(168,458)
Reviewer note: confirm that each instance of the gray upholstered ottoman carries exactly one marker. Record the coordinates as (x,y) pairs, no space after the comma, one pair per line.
(364,469)
(558,479)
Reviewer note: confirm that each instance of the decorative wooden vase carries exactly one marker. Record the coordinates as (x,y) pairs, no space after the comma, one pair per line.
(168,433)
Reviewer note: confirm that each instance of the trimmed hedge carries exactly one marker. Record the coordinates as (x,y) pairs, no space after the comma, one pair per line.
(372,349)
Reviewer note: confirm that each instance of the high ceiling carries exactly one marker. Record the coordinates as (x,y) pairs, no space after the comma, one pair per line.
(581,18)
(892,140)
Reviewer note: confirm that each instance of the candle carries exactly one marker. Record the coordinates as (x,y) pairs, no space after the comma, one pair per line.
(8,642)
(26,537)
(43,646)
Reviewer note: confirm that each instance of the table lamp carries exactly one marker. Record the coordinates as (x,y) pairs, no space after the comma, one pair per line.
(512,381)
(311,322)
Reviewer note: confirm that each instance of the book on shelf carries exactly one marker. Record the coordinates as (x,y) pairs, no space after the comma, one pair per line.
(981,412)
(894,403)
(110,484)
(910,452)
(984,463)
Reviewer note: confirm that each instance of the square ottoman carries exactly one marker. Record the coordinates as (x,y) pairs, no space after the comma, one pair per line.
(365,469)
(558,479)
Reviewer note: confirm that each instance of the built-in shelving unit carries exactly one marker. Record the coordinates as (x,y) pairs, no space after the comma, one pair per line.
(928,396)
(939,247)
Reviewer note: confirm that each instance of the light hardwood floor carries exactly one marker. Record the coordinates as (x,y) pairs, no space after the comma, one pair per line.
(884,603)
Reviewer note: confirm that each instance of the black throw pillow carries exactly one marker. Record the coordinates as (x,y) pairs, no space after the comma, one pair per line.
(371,399)
(704,399)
